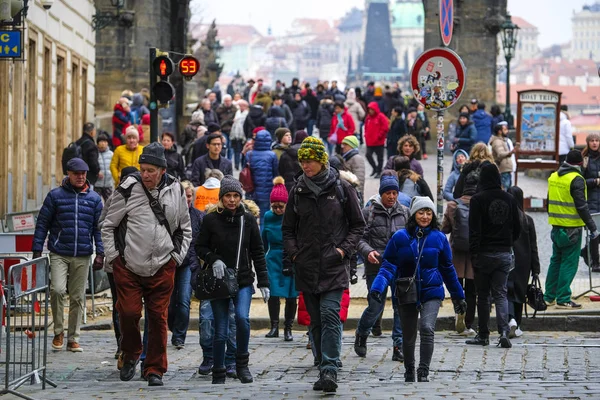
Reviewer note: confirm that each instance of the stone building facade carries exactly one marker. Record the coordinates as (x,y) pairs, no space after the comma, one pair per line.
(476,24)
(45,100)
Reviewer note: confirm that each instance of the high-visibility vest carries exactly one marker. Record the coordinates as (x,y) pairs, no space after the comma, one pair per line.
(561,206)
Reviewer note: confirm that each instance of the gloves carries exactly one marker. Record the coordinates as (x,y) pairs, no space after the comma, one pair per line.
(266,293)
(535,276)
(460,306)
(353,279)
(219,269)
(37,254)
(595,234)
(288,267)
(375,296)
(98,262)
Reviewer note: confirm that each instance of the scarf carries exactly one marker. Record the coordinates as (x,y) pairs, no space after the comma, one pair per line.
(320,182)
(349,154)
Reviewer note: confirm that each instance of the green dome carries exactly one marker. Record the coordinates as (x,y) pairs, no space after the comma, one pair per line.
(407,15)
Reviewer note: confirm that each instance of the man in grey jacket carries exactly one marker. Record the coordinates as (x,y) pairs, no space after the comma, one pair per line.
(384,216)
(145,245)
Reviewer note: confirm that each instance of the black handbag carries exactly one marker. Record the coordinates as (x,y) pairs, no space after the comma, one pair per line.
(406,288)
(210,288)
(535,297)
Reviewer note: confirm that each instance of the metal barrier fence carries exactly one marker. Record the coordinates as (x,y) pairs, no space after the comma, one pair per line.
(25,301)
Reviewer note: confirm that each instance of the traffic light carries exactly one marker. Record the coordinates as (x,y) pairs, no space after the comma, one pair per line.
(163,67)
(189,67)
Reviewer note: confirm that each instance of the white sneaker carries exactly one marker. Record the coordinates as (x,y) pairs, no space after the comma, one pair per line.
(512,327)
(459,323)
(518,332)
(468,332)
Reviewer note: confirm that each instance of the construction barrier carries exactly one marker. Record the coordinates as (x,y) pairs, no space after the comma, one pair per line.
(25,297)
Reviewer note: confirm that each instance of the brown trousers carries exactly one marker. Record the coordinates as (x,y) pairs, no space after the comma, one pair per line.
(156,292)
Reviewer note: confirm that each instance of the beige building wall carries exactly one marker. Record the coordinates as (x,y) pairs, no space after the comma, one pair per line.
(45,100)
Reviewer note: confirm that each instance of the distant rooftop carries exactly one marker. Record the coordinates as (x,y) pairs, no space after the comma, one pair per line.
(592,8)
(522,23)
(352,20)
(407,14)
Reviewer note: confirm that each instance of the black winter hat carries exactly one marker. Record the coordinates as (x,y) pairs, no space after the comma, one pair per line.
(154,154)
(230,184)
(574,157)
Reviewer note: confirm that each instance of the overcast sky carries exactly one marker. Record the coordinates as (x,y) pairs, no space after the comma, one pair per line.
(552,17)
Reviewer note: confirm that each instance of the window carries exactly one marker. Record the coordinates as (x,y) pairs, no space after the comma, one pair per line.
(61,110)
(75,100)
(47,114)
(31,117)
(84,99)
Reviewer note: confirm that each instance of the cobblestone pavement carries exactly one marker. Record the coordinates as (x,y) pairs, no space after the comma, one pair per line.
(540,365)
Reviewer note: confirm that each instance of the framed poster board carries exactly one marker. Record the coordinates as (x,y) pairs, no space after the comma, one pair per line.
(538,122)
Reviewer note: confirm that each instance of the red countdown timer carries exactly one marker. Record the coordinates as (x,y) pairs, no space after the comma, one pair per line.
(189,66)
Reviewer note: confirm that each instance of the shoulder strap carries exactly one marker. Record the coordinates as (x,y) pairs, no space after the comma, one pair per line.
(239,252)
(419,258)
(371,216)
(158,211)
(340,191)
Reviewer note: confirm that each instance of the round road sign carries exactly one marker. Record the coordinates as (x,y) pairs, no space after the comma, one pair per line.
(446,20)
(437,78)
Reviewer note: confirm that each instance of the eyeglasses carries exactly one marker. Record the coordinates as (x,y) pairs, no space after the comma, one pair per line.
(277,207)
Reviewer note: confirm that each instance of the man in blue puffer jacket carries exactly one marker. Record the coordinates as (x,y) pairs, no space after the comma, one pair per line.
(483,124)
(70,213)
(264,167)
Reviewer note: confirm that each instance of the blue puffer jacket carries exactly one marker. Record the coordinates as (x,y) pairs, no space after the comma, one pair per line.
(275,120)
(483,124)
(263,164)
(72,220)
(436,266)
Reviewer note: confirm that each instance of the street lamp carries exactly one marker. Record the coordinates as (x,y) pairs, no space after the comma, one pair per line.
(509,42)
(101,20)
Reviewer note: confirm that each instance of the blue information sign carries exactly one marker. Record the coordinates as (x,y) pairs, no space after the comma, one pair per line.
(10,44)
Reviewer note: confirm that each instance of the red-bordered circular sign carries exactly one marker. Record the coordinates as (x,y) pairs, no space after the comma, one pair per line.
(446,20)
(189,66)
(437,78)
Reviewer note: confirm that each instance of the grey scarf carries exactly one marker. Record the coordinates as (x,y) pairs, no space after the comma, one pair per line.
(320,182)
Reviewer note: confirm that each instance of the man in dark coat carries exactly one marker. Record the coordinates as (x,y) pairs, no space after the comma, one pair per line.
(322,226)
(494,226)
(212,160)
(313,103)
(69,217)
(89,151)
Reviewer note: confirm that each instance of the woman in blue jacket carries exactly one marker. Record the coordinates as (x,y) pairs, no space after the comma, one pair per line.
(420,240)
(264,167)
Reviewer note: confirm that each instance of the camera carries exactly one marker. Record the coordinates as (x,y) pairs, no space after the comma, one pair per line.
(47,4)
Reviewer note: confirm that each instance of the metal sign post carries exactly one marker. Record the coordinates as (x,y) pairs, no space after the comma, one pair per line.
(153,101)
(437,80)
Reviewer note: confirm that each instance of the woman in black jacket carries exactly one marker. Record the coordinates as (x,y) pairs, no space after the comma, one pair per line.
(288,162)
(527,263)
(217,247)
(591,174)
(175,164)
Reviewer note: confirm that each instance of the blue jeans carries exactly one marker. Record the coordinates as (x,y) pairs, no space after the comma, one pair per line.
(310,126)
(207,332)
(325,326)
(179,306)
(372,312)
(241,304)
(426,326)
(144,337)
(506,179)
(229,151)
(237,145)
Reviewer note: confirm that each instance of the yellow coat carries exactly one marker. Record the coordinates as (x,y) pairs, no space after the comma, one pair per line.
(123,157)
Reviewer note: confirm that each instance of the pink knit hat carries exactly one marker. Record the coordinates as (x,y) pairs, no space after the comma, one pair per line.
(279,192)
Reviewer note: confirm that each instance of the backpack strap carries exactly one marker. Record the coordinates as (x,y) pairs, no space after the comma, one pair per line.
(371,214)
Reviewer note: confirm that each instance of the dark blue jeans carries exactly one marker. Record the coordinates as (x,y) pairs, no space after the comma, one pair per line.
(491,273)
(179,306)
(220,308)
(229,150)
(325,326)
(207,332)
(237,146)
(372,312)
(426,327)
(310,126)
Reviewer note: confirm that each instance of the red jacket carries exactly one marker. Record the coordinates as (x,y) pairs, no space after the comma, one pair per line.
(348,124)
(120,121)
(376,127)
(304,317)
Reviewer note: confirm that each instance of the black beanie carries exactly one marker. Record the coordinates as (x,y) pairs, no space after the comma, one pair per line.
(574,157)
(154,154)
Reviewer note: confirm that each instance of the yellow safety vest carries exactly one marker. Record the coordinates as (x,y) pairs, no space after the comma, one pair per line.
(561,206)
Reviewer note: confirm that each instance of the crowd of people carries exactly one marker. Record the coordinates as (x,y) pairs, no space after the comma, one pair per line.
(298,222)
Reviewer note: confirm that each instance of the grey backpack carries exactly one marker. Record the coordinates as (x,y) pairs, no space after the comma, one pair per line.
(460,228)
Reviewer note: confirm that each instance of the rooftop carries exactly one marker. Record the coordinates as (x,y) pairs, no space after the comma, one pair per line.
(353,20)
(522,23)
(571,95)
(407,14)
(228,35)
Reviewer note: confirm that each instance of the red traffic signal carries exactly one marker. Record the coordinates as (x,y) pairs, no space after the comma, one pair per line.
(163,66)
(189,66)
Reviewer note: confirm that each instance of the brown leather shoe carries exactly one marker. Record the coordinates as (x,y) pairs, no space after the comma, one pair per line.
(74,347)
(57,342)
